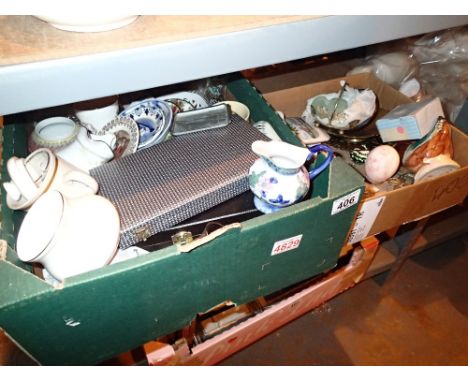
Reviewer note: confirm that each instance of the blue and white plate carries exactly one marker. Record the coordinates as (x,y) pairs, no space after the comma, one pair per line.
(154,119)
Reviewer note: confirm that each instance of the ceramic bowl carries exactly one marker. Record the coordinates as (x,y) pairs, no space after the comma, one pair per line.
(54,133)
(88,22)
(238,108)
(179,105)
(320,108)
(154,119)
(185,101)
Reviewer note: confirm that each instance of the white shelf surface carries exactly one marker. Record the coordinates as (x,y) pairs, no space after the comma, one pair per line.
(39,81)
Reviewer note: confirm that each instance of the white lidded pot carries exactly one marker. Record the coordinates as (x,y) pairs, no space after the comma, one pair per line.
(41,171)
(69,236)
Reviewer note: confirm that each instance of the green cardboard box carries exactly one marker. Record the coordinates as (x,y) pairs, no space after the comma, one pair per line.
(99,314)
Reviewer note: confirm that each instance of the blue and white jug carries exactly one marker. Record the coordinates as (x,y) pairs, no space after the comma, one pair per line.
(278,178)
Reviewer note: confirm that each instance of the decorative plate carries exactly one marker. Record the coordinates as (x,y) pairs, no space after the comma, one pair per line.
(153,117)
(186,100)
(126,135)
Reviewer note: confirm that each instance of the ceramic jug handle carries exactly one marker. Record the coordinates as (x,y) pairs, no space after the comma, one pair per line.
(316,149)
(86,184)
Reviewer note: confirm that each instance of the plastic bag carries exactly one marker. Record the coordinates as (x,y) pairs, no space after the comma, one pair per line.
(434,65)
(393,68)
(442,58)
(450,45)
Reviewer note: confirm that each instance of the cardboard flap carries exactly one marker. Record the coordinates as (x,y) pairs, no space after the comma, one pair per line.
(15,282)
(260,109)
(342,178)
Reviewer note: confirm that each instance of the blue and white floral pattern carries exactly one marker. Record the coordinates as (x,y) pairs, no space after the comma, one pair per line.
(275,188)
(153,117)
(278,178)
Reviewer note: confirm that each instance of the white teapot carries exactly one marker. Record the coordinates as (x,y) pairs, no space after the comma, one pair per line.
(278,178)
(41,171)
(69,236)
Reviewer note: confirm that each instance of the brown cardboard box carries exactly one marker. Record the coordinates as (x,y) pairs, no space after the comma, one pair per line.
(383,210)
(426,198)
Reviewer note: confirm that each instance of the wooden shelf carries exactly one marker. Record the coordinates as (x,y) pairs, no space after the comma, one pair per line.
(28,39)
(42,67)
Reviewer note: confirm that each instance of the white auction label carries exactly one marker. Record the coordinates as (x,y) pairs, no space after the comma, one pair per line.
(286,245)
(345,202)
(365,219)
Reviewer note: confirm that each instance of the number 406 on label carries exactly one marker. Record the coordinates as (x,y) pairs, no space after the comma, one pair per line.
(345,202)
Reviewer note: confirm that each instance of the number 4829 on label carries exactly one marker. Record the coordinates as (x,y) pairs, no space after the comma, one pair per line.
(286,245)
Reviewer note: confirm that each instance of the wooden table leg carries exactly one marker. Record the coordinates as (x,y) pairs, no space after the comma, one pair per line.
(405,242)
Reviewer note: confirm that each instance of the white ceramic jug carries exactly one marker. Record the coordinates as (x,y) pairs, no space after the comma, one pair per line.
(69,236)
(278,178)
(86,153)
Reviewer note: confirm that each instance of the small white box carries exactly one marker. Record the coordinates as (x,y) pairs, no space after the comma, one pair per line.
(410,121)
